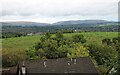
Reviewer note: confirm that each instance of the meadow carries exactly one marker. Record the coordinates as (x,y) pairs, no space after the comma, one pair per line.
(22,43)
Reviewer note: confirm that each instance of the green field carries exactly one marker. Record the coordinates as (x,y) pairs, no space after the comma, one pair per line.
(22,43)
(19,43)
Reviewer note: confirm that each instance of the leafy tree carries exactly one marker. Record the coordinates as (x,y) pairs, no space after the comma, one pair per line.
(63,50)
(107,41)
(31,52)
(115,40)
(38,45)
(41,53)
(58,47)
(47,35)
(78,38)
(78,51)
(50,47)
(83,40)
(59,35)
(104,55)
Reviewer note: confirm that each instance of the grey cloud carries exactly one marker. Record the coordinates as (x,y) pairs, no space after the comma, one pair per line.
(58,8)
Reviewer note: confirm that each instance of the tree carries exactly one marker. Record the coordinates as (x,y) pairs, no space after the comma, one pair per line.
(78,38)
(62,51)
(115,40)
(78,51)
(59,35)
(47,35)
(58,47)
(107,41)
(95,52)
(38,45)
(104,55)
(41,53)
(31,53)
(50,47)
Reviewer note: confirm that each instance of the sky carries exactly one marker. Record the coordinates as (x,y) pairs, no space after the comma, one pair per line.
(51,11)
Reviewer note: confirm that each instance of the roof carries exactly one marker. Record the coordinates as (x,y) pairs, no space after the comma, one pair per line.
(63,65)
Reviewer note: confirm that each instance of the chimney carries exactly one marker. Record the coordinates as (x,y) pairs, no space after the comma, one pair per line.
(23,69)
(71,59)
(44,63)
(75,61)
(68,62)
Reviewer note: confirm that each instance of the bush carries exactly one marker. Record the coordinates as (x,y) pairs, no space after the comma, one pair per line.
(11,58)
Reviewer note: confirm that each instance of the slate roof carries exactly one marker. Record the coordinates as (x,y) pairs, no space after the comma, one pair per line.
(63,65)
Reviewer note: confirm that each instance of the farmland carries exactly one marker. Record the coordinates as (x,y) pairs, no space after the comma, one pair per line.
(22,43)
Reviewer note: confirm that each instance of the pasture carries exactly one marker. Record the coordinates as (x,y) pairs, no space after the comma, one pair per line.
(22,43)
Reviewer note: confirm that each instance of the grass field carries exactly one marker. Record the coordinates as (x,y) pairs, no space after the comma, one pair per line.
(19,43)
(22,43)
(96,37)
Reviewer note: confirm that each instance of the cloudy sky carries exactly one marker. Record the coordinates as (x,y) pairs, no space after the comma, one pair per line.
(50,11)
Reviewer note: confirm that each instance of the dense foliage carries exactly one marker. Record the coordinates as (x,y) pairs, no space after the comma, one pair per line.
(11,34)
(59,47)
(106,55)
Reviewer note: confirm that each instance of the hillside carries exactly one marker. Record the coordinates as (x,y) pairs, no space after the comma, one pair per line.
(23,23)
(70,22)
(80,25)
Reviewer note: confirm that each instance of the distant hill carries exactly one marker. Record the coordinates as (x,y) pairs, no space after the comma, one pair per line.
(74,22)
(67,26)
(83,23)
(22,23)
(71,22)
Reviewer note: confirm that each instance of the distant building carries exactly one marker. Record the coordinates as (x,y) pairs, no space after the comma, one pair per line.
(60,66)
(77,30)
(29,34)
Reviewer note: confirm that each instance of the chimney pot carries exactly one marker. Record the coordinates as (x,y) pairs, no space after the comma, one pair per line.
(71,59)
(68,62)
(75,61)
(23,70)
(44,63)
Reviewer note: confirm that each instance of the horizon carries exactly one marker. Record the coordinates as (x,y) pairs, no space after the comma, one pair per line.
(58,21)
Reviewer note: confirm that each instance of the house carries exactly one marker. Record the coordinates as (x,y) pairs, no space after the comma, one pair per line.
(29,34)
(69,66)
